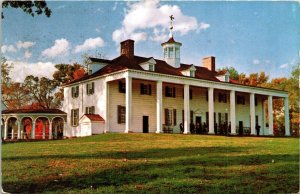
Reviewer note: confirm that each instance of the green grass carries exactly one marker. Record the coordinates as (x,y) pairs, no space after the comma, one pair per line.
(153,163)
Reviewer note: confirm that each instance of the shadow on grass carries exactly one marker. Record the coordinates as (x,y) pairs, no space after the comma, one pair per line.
(181,170)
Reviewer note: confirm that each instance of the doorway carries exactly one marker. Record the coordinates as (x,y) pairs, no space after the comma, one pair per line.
(198,124)
(145,124)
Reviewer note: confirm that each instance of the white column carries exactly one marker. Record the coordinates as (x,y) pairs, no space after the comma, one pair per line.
(33,130)
(159,107)
(50,129)
(232,113)
(19,129)
(211,111)
(12,130)
(263,127)
(270,114)
(186,109)
(252,113)
(286,117)
(107,109)
(44,130)
(5,129)
(64,130)
(128,103)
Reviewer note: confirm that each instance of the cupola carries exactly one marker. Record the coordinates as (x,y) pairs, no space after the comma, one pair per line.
(171,48)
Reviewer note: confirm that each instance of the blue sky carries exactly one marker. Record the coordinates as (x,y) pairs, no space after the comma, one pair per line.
(250,36)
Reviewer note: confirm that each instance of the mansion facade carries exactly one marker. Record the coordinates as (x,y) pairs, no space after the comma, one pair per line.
(143,94)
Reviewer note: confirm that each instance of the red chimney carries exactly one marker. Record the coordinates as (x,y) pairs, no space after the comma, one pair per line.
(209,63)
(127,48)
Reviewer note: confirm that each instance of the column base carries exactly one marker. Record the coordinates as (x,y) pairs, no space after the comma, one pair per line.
(157,132)
(233,134)
(187,132)
(211,133)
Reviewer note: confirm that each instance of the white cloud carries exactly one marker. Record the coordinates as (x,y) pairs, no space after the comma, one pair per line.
(22,69)
(256,61)
(149,14)
(27,55)
(8,48)
(25,45)
(60,48)
(285,65)
(90,43)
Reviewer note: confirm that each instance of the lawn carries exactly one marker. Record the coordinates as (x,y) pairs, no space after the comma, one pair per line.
(153,163)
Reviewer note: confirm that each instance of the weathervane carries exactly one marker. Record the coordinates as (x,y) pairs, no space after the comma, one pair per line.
(171,26)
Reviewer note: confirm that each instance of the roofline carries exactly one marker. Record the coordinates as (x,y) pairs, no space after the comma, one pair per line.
(177,76)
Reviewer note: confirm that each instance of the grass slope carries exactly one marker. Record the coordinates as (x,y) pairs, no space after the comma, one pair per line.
(153,163)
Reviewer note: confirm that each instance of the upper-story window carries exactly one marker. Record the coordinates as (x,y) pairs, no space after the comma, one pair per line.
(170,91)
(222,98)
(75,91)
(166,52)
(177,53)
(241,100)
(74,117)
(122,87)
(90,88)
(146,89)
(90,110)
(226,78)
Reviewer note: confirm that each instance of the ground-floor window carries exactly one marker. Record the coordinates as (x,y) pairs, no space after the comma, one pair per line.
(90,110)
(121,114)
(170,117)
(74,117)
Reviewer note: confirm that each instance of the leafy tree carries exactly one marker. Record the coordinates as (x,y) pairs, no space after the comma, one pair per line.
(30,7)
(234,74)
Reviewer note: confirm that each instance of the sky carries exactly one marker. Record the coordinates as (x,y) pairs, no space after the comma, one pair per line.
(249,36)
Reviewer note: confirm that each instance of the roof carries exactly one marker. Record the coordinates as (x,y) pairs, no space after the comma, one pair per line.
(47,111)
(99,60)
(171,40)
(222,72)
(93,117)
(122,62)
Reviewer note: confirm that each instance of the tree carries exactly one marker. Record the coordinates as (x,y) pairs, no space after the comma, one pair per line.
(234,74)
(30,7)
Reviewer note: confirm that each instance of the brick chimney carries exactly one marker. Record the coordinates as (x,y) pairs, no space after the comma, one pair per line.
(209,63)
(127,48)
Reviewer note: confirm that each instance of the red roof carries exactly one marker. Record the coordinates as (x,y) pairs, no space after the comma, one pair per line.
(94,117)
(171,40)
(47,111)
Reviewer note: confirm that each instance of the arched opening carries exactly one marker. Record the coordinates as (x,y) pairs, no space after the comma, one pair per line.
(12,128)
(42,128)
(26,128)
(57,128)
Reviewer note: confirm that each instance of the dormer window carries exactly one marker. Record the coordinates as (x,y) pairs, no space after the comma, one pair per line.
(192,73)
(151,67)
(226,78)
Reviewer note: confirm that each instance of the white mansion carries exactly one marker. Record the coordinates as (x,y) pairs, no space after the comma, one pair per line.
(142,94)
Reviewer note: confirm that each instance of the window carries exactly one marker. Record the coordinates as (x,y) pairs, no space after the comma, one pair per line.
(207,121)
(146,89)
(170,91)
(151,67)
(226,78)
(121,114)
(168,117)
(90,88)
(122,87)
(222,98)
(177,53)
(90,110)
(75,91)
(74,117)
(166,52)
(191,94)
(171,52)
(220,118)
(192,73)
(241,100)
(255,101)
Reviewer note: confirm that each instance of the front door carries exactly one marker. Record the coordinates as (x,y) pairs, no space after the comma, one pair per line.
(145,124)
(241,127)
(198,125)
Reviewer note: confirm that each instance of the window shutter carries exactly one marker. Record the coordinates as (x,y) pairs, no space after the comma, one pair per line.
(93,110)
(150,91)
(174,117)
(93,87)
(72,91)
(207,119)
(166,116)
(86,110)
(120,86)
(119,114)
(191,94)
(87,89)
(142,88)
(174,92)
(207,96)
(166,91)
(77,91)
(192,116)
(72,115)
